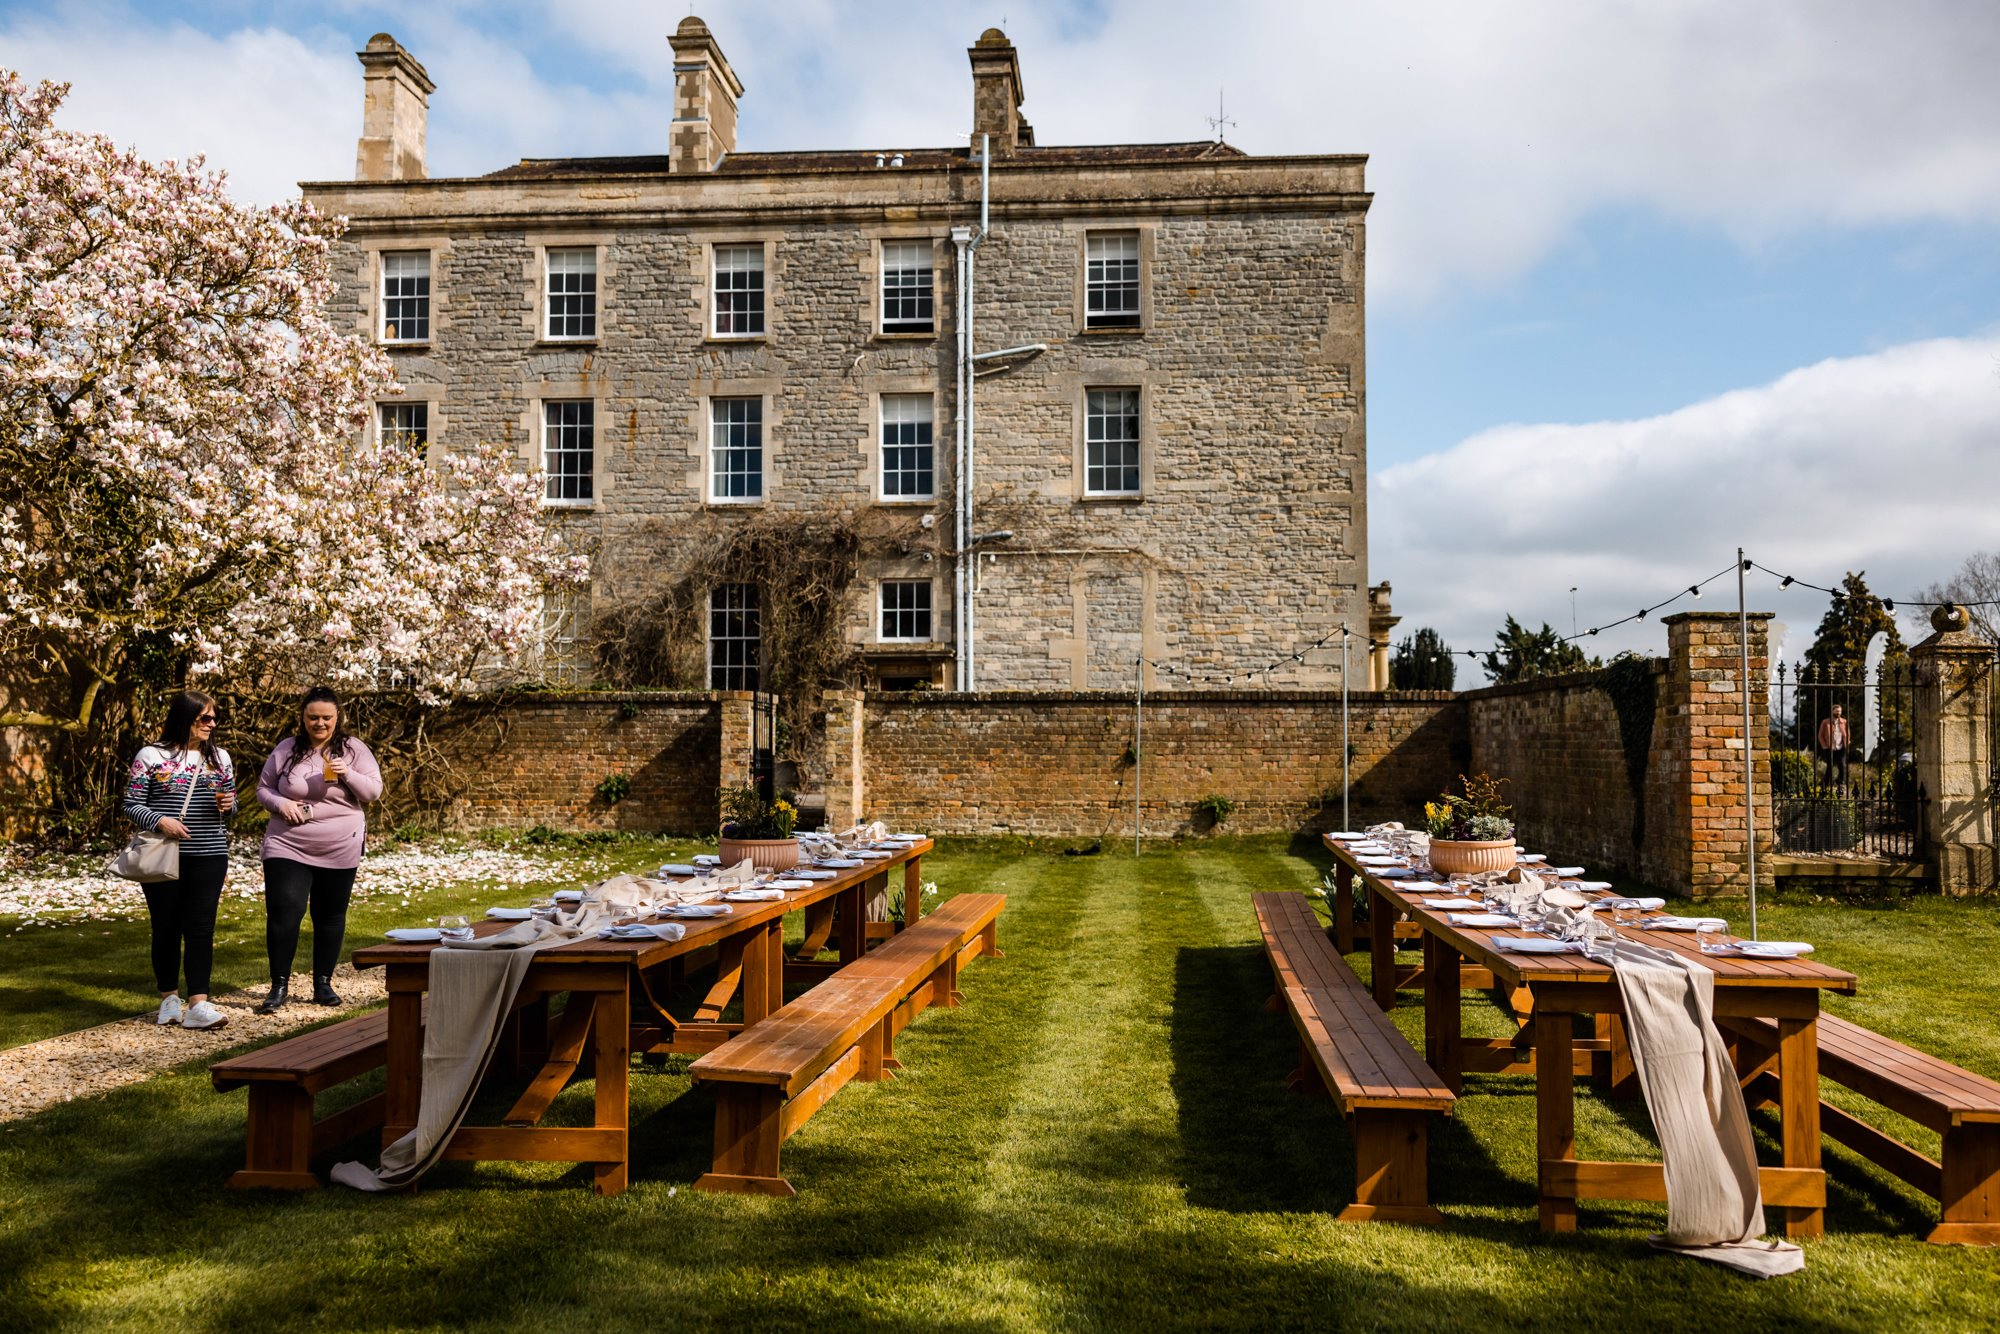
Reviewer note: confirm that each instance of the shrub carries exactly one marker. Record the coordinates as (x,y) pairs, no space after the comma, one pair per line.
(1214,808)
(614,789)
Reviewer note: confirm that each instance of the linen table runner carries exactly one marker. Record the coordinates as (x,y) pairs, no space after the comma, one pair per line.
(1715,1207)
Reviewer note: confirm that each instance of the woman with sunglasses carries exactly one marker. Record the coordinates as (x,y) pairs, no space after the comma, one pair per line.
(183,910)
(314,785)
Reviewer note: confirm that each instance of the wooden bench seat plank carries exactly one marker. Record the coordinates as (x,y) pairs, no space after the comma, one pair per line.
(1399,1075)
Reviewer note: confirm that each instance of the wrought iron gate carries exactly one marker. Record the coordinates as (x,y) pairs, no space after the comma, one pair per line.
(1843,763)
(764,744)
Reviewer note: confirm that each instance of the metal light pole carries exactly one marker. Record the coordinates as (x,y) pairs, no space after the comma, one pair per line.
(1345,764)
(1138,737)
(1749,745)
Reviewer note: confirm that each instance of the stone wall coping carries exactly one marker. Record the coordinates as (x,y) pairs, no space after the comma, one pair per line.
(934,699)
(1541,684)
(519,697)
(1680,616)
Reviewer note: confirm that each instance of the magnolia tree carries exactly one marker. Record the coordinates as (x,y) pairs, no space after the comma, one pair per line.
(186,487)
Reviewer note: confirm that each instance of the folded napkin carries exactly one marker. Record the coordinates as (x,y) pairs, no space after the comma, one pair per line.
(509,914)
(1416,885)
(1481,919)
(1531,856)
(685,892)
(771,895)
(742,873)
(1683,923)
(806,873)
(1452,903)
(1643,905)
(568,895)
(1591,884)
(1535,945)
(644,931)
(1566,870)
(1392,872)
(871,854)
(693,910)
(413,935)
(707,859)
(791,884)
(1772,949)
(1347,836)
(838,861)
(676,868)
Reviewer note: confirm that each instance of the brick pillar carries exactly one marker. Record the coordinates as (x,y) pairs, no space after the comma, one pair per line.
(735,705)
(1954,751)
(845,781)
(1696,782)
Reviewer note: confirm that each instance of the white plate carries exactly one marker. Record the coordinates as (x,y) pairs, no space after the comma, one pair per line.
(677,868)
(509,914)
(1773,949)
(1536,945)
(414,935)
(1671,923)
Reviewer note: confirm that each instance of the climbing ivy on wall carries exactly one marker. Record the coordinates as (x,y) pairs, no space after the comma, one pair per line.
(1633,687)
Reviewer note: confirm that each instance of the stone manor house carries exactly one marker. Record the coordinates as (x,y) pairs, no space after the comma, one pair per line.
(1161,451)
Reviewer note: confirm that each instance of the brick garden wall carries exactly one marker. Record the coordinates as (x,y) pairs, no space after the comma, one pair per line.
(537,760)
(1057,763)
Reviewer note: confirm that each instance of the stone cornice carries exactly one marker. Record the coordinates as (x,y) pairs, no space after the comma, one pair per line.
(1238,185)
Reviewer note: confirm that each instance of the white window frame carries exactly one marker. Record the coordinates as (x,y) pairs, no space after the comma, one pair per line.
(1093,440)
(747,601)
(589,475)
(392,259)
(562,263)
(384,432)
(1098,256)
(883,611)
(718,448)
(926,264)
(888,410)
(733,253)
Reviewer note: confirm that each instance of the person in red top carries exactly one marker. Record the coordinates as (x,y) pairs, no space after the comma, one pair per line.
(1834,739)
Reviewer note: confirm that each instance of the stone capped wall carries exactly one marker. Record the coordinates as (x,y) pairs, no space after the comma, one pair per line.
(1058,763)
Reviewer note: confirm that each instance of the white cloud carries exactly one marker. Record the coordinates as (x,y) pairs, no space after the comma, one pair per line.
(1884,463)
(1496,130)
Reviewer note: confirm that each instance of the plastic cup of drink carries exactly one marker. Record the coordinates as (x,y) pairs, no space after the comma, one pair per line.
(326,770)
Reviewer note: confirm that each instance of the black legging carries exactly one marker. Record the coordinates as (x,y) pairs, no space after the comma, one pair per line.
(183,914)
(288,887)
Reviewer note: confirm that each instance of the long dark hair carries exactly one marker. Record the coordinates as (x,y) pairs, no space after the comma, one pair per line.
(301,743)
(181,713)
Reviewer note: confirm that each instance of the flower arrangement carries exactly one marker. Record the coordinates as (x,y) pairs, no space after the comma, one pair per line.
(746,815)
(1475,814)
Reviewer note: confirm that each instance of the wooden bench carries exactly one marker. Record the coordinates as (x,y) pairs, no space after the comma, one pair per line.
(1962,1107)
(770,1078)
(1349,1048)
(283,1078)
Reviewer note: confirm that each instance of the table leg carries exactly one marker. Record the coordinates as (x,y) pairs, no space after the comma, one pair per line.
(853,922)
(614,1067)
(1441,1012)
(1555,1111)
(1382,951)
(404,1089)
(763,971)
(1798,1097)
(1343,907)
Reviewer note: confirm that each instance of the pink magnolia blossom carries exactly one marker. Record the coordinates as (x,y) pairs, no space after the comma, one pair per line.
(182,453)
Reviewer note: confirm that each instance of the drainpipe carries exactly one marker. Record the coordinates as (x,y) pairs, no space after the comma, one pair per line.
(965,578)
(961,533)
(971,256)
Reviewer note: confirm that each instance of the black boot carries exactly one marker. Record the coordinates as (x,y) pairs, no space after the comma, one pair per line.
(276,997)
(323,992)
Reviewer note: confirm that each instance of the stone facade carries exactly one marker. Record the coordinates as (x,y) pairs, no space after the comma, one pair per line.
(1247,536)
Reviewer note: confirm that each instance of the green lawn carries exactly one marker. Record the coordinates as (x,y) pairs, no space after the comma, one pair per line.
(1099,1138)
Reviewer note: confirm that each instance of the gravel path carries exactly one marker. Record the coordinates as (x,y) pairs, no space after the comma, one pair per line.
(97,1060)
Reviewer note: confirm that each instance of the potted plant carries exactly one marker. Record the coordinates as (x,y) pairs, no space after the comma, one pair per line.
(758,829)
(1470,830)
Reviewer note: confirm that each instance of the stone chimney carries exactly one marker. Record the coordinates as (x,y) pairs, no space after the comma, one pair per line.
(705,93)
(996,95)
(395,101)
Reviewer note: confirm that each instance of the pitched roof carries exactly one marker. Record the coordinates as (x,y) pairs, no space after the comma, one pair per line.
(762,164)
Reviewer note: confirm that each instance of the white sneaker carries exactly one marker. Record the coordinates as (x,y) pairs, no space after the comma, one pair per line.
(170,1010)
(203,1015)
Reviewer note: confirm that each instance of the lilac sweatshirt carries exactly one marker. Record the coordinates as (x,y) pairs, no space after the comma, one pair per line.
(334,836)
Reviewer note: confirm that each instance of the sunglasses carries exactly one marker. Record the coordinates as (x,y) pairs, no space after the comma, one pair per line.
(208,718)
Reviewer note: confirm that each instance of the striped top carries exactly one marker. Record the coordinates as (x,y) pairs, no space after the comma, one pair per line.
(158,784)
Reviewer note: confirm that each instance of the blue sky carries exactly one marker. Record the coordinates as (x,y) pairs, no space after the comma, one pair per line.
(1675,276)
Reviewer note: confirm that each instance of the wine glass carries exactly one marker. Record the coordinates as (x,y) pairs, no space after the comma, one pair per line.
(454,926)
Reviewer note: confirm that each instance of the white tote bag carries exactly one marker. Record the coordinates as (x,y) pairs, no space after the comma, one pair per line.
(150,857)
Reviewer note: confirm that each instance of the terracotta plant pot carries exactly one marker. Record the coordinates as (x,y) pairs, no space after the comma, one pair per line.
(1452,857)
(777,854)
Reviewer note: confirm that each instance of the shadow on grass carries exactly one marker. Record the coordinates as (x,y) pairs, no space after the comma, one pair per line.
(1248,1143)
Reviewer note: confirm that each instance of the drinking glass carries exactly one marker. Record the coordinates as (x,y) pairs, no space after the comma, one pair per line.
(1710,938)
(454,926)
(326,772)
(1624,914)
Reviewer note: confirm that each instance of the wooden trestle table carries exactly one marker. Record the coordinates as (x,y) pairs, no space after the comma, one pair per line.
(1560,986)
(617,992)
